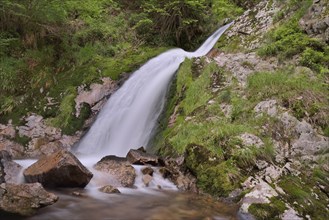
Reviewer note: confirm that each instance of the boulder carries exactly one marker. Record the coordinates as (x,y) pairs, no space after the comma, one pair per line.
(119,168)
(24,199)
(109,189)
(141,158)
(60,169)
(174,170)
(148,170)
(9,170)
(14,149)
(147,179)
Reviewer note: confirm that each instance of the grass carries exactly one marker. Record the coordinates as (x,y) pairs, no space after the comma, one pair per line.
(300,192)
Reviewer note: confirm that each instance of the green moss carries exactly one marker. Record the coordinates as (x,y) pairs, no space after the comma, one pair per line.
(304,196)
(272,210)
(23,140)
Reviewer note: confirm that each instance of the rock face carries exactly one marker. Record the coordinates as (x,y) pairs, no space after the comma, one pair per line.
(139,157)
(24,199)
(60,169)
(119,168)
(316,21)
(95,94)
(9,170)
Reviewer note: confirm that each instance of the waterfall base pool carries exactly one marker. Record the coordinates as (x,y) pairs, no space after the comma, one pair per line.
(140,206)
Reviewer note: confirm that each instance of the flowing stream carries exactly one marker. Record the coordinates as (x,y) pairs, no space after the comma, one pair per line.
(130,115)
(127,121)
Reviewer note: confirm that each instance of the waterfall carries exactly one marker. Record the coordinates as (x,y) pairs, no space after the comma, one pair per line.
(130,115)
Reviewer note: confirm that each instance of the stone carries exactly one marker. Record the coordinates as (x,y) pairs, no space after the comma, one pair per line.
(290,214)
(251,140)
(7,130)
(119,168)
(269,107)
(142,158)
(60,169)
(94,94)
(259,194)
(174,170)
(9,170)
(148,170)
(147,179)
(24,199)
(14,149)
(109,189)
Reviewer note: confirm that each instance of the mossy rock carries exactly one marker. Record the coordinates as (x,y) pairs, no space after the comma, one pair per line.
(272,210)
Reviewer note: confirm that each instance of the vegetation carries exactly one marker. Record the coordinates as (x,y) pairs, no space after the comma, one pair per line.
(48,48)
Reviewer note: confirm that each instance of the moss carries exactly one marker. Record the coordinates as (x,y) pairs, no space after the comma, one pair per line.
(23,140)
(304,196)
(272,210)
(218,180)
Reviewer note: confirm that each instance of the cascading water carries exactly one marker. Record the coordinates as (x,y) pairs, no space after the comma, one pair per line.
(130,115)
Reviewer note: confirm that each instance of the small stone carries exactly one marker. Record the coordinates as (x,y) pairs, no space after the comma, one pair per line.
(148,170)
(109,189)
(147,179)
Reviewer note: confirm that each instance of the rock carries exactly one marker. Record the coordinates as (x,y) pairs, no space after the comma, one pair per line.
(24,199)
(9,170)
(109,189)
(316,21)
(290,214)
(94,94)
(141,158)
(60,169)
(181,177)
(148,170)
(251,140)
(119,168)
(259,194)
(269,107)
(147,179)
(7,130)
(241,65)
(14,149)
(309,144)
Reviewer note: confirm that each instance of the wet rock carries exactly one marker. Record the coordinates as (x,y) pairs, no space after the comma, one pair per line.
(148,170)
(147,179)
(141,158)
(119,168)
(60,169)
(9,170)
(24,199)
(175,171)
(109,189)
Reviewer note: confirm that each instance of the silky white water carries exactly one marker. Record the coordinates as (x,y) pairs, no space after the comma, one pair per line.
(130,115)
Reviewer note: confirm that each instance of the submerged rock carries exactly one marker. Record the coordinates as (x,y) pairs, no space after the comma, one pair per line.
(147,179)
(141,158)
(119,168)
(60,169)
(9,170)
(109,189)
(24,199)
